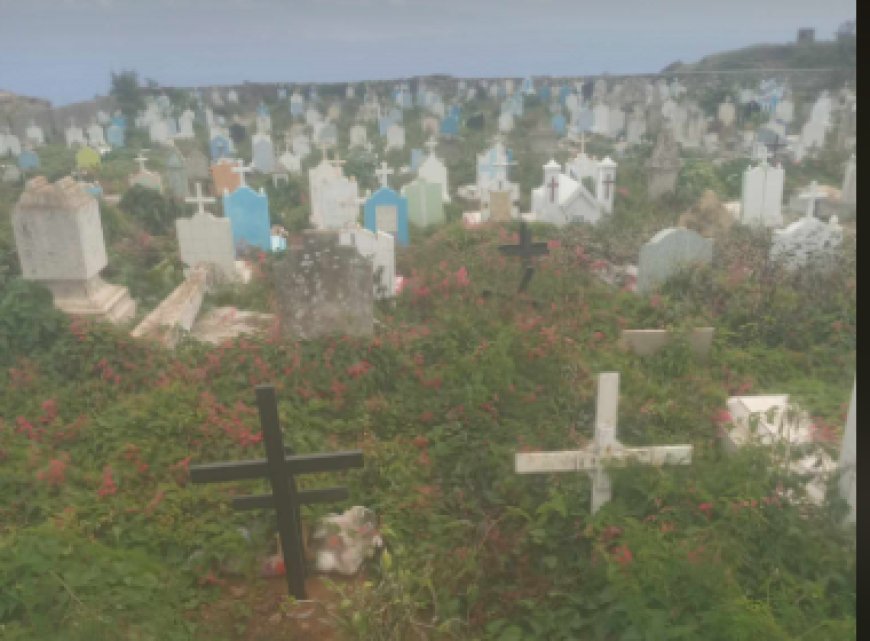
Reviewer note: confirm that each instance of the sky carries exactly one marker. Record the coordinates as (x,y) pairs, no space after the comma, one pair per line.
(65,50)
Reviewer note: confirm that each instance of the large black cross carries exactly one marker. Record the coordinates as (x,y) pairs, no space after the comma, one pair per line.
(526,250)
(280,466)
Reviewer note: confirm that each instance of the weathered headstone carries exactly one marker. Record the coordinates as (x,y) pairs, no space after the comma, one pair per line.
(176,175)
(224,179)
(248,212)
(323,288)
(669,251)
(425,205)
(59,238)
(205,238)
(663,166)
(380,248)
(808,240)
(263,153)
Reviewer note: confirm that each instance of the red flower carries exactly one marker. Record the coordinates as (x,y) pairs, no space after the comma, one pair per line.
(622,555)
(49,409)
(611,532)
(722,416)
(420,442)
(108,488)
(554,244)
(706,508)
(55,473)
(358,369)
(426,417)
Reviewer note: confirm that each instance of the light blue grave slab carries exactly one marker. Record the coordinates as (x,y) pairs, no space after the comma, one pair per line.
(248,212)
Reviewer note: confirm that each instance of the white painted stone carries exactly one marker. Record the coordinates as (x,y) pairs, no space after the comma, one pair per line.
(761,201)
(205,238)
(669,251)
(808,240)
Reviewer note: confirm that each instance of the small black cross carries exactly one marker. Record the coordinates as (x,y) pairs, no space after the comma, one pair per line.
(776,145)
(280,466)
(526,250)
(554,185)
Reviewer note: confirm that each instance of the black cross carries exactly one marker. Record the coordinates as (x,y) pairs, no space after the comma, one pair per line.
(280,466)
(776,145)
(554,185)
(526,250)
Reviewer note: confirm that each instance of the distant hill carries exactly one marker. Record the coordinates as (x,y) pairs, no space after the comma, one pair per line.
(840,54)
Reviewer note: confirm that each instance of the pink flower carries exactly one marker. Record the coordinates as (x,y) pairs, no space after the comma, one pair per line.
(462,277)
(554,244)
(108,488)
(707,509)
(622,555)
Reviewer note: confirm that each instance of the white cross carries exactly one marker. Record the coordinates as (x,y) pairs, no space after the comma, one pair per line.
(241,170)
(812,195)
(604,450)
(382,173)
(199,200)
(431,144)
(141,159)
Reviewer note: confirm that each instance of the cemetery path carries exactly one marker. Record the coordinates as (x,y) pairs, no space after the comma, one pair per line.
(261,611)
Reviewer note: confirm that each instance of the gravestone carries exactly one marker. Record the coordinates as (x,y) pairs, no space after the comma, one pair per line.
(59,238)
(433,170)
(669,251)
(848,463)
(197,165)
(761,201)
(224,179)
(263,153)
(167,323)
(145,178)
(396,137)
(220,146)
(74,136)
(176,174)
(727,113)
(708,216)
(95,136)
(115,136)
(205,238)
(34,135)
(380,248)
(358,136)
(805,241)
(604,450)
(248,212)
(28,160)
(663,166)
(323,288)
(425,205)
(386,210)
(646,342)
(848,195)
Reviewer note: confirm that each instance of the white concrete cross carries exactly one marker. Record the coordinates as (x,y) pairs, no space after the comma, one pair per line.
(383,174)
(241,170)
(812,195)
(141,159)
(604,450)
(199,200)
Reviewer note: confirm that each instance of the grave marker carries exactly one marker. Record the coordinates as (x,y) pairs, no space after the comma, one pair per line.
(526,250)
(604,450)
(280,467)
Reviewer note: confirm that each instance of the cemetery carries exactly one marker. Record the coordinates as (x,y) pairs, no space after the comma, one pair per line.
(433,358)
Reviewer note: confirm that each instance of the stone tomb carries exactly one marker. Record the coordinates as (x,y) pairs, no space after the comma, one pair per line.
(808,240)
(176,174)
(663,166)
(323,288)
(59,238)
(646,342)
(425,205)
(145,178)
(669,251)
(175,315)
(224,178)
(205,238)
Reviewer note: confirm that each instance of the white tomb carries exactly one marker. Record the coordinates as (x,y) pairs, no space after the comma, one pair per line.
(205,238)
(380,248)
(761,202)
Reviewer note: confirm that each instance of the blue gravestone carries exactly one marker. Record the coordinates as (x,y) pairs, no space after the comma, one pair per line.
(115,136)
(454,111)
(544,93)
(450,125)
(564,92)
(220,147)
(279,243)
(417,157)
(28,160)
(248,212)
(558,122)
(262,110)
(120,121)
(387,211)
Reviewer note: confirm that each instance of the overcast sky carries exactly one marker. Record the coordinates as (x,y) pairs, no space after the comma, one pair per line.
(64,50)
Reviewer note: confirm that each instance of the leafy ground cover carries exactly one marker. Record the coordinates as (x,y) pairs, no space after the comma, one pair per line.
(101,536)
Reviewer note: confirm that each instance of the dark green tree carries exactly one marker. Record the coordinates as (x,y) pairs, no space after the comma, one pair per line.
(155,212)
(127,93)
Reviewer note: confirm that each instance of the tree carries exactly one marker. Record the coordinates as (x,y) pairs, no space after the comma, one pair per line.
(151,209)
(127,93)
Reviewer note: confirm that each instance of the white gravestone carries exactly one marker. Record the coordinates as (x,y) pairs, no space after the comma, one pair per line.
(848,192)
(263,153)
(95,136)
(669,251)
(605,450)
(848,463)
(380,248)
(74,136)
(204,238)
(806,240)
(434,171)
(396,137)
(59,238)
(761,202)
